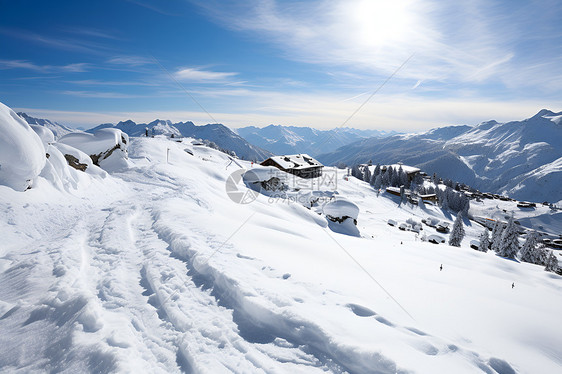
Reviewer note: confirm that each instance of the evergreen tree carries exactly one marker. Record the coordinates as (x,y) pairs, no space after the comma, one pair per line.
(551,262)
(484,241)
(366,174)
(377,170)
(457,233)
(378,182)
(509,245)
(385,179)
(497,236)
(390,172)
(529,251)
(356,172)
(373,179)
(444,202)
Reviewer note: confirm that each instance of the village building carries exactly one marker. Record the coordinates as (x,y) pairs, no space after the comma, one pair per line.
(301,165)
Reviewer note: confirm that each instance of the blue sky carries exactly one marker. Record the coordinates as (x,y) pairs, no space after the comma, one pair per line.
(303,63)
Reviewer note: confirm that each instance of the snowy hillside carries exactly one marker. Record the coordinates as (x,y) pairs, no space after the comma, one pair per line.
(292,139)
(521,158)
(187,260)
(216,133)
(56,128)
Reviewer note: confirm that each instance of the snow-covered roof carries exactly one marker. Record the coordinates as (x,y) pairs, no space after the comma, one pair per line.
(300,161)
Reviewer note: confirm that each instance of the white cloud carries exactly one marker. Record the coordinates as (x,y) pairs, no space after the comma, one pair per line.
(130,60)
(200,75)
(454,42)
(23,64)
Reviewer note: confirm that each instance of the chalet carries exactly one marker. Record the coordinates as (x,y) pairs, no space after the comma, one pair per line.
(301,165)
(396,191)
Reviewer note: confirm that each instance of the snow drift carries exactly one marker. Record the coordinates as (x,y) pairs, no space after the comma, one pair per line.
(22,154)
(108,148)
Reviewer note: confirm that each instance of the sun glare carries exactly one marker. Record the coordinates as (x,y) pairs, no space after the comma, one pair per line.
(377,23)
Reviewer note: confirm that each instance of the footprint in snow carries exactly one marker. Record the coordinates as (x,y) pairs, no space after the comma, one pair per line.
(361,311)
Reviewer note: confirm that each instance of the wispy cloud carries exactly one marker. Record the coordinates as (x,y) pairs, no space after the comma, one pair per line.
(23,64)
(100,95)
(200,75)
(68,44)
(151,6)
(130,60)
(94,82)
(462,42)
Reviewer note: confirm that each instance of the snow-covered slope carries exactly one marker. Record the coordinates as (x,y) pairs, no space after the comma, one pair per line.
(519,158)
(156,268)
(292,139)
(57,129)
(216,133)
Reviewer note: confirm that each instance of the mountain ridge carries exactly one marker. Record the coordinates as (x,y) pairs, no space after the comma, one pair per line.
(492,156)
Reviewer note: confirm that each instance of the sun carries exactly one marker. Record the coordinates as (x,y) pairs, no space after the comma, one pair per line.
(376,23)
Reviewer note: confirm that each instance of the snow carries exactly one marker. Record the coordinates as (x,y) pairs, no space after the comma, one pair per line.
(109,145)
(300,161)
(45,134)
(153,268)
(22,154)
(341,207)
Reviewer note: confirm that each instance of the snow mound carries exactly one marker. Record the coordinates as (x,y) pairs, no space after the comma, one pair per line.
(108,148)
(342,216)
(265,178)
(341,208)
(44,133)
(22,154)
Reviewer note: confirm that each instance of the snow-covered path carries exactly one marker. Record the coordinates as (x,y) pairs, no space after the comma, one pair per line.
(156,270)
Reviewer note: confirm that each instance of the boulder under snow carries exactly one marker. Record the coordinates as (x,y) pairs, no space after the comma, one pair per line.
(22,154)
(108,148)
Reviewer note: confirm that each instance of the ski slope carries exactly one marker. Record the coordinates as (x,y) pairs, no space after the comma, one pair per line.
(155,269)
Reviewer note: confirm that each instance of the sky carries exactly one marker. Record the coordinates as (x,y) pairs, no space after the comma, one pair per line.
(404,65)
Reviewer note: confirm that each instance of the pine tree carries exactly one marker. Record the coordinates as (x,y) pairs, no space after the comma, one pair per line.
(390,172)
(366,174)
(484,241)
(529,251)
(378,183)
(356,172)
(444,200)
(497,236)
(385,179)
(509,245)
(457,233)
(377,170)
(551,262)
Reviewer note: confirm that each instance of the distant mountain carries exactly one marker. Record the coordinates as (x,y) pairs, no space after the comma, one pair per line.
(292,139)
(216,133)
(522,159)
(57,129)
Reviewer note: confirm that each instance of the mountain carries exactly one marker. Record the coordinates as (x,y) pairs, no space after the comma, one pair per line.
(522,159)
(292,139)
(216,133)
(57,129)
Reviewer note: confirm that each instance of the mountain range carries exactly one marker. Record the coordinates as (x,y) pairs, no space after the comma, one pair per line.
(522,159)
(293,139)
(57,129)
(217,133)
